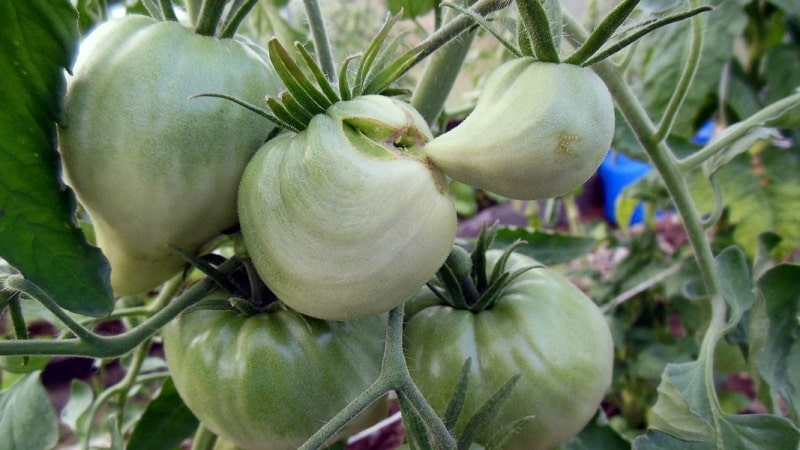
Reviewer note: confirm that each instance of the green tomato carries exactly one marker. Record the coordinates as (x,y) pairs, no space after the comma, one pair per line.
(152,167)
(269,381)
(346,219)
(542,327)
(538,130)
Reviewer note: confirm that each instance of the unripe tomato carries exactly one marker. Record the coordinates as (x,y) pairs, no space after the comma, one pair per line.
(345,219)
(538,130)
(151,166)
(269,381)
(542,327)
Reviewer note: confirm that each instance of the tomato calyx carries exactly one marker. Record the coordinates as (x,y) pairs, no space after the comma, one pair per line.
(463,281)
(249,294)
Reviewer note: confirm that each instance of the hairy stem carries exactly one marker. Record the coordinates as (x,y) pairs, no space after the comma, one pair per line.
(209,17)
(760,118)
(440,75)
(322,44)
(94,345)
(687,76)
(667,167)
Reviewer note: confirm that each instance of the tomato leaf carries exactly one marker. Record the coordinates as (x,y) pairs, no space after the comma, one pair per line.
(166,422)
(547,247)
(682,408)
(27,418)
(779,361)
(756,190)
(411,8)
(37,233)
(597,435)
(662,53)
(684,412)
(736,281)
(76,412)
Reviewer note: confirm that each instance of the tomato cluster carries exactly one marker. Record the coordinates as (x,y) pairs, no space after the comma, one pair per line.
(343,220)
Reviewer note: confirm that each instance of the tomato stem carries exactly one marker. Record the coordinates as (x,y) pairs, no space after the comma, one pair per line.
(209,17)
(603,32)
(322,44)
(234,18)
(534,20)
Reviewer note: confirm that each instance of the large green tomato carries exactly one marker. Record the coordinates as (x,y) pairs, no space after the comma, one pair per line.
(270,380)
(151,166)
(346,219)
(542,327)
(538,130)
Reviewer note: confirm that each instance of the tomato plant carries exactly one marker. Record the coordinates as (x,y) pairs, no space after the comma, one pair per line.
(538,131)
(130,124)
(537,325)
(316,249)
(153,167)
(270,379)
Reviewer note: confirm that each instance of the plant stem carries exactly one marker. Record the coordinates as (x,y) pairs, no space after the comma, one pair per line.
(168,11)
(394,375)
(396,370)
(153,9)
(322,44)
(99,346)
(440,75)
(121,389)
(687,76)
(666,165)
(377,390)
(238,12)
(603,32)
(209,17)
(534,19)
(453,28)
(760,118)
(19,283)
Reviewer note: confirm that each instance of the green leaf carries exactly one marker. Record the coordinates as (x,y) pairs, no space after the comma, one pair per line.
(661,55)
(166,422)
(736,282)
(411,8)
(751,139)
(547,247)
(37,233)
(683,414)
(597,435)
(27,418)
(74,414)
(658,440)
(756,198)
(682,407)
(779,361)
(761,431)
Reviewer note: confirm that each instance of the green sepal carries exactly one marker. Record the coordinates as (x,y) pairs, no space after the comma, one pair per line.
(322,81)
(413,423)
(312,100)
(456,403)
(484,416)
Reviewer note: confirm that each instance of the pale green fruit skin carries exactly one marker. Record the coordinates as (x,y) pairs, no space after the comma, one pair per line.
(338,234)
(151,166)
(539,130)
